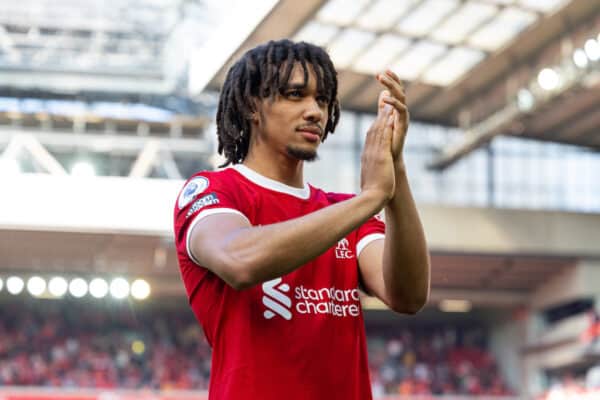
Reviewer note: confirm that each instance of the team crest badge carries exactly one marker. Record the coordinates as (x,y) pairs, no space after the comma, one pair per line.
(191,190)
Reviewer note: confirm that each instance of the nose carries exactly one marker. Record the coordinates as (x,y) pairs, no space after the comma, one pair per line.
(313,111)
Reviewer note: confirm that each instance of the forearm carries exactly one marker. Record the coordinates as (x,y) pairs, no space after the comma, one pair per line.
(265,252)
(406,264)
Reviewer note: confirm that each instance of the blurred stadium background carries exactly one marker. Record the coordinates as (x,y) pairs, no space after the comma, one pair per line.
(106,106)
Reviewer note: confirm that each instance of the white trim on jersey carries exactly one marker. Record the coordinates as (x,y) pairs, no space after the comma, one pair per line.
(202,214)
(260,180)
(365,241)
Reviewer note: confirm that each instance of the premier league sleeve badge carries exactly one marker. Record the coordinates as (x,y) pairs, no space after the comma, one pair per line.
(192,189)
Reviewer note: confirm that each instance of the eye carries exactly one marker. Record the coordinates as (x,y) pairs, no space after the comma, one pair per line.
(323,100)
(294,94)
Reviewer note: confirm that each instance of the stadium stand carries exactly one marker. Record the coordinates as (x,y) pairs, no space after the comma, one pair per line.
(420,362)
(73,344)
(76,345)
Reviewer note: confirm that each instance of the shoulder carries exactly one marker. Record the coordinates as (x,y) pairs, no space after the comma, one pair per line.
(205,181)
(213,176)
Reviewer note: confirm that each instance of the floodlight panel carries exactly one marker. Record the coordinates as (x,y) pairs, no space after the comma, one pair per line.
(454,65)
(426,16)
(545,6)
(501,30)
(119,288)
(78,287)
(548,79)
(381,53)
(580,58)
(140,289)
(98,288)
(383,14)
(456,28)
(36,285)
(592,49)
(317,33)
(417,58)
(341,12)
(58,286)
(14,285)
(348,45)
(500,2)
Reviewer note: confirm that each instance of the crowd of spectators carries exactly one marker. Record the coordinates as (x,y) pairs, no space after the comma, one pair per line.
(92,346)
(434,361)
(580,384)
(78,345)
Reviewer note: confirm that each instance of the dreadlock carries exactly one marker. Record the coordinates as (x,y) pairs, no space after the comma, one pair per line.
(262,72)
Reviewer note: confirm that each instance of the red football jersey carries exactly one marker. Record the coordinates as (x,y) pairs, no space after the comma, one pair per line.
(300,336)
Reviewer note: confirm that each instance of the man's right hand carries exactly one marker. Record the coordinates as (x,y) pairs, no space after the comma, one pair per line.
(377,162)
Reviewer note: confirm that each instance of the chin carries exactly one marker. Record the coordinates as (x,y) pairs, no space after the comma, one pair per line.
(302,154)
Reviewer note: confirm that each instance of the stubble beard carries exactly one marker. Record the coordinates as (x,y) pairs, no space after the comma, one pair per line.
(301,154)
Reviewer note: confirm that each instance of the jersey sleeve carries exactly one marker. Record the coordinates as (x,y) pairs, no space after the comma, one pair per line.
(202,195)
(373,229)
(369,232)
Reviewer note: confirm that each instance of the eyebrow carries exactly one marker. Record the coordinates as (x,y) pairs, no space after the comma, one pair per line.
(301,86)
(295,86)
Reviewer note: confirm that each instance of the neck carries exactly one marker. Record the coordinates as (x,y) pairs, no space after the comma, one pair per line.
(279,167)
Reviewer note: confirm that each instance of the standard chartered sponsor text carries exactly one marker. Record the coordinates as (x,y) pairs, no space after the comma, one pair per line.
(337,302)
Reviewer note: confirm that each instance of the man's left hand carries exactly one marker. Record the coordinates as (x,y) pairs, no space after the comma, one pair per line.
(396,98)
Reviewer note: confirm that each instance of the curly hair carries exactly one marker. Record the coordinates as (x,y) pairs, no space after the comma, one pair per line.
(262,72)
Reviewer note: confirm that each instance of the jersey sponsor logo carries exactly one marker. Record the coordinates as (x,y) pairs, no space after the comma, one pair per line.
(194,187)
(342,250)
(275,299)
(208,200)
(327,300)
(331,300)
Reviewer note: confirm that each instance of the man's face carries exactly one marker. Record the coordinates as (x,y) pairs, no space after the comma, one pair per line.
(294,122)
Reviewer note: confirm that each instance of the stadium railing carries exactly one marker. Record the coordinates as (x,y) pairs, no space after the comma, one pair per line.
(22,393)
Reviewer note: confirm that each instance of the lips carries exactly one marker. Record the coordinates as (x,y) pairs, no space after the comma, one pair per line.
(315,130)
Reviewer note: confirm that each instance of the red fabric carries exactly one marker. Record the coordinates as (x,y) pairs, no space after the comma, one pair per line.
(320,351)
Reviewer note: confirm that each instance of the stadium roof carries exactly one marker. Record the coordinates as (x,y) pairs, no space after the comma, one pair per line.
(475,64)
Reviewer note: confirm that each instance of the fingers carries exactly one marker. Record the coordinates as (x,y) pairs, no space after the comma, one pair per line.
(376,133)
(393,75)
(377,125)
(393,84)
(397,121)
(388,130)
(380,103)
(397,104)
(382,114)
(386,113)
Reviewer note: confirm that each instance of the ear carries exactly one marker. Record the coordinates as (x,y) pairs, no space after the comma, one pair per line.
(253,115)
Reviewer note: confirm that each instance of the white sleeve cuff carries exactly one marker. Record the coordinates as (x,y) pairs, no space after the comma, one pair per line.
(201,215)
(367,240)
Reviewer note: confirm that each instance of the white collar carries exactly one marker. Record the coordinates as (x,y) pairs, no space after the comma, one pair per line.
(268,183)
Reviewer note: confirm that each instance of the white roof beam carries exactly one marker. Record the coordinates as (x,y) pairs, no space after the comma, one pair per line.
(41,155)
(147,158)
(66,81)
(170,166)
(66,141)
